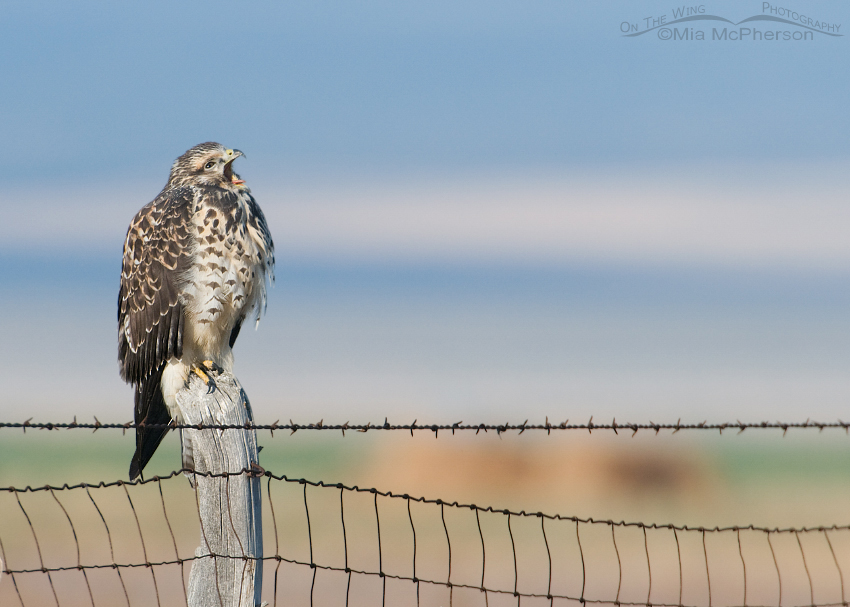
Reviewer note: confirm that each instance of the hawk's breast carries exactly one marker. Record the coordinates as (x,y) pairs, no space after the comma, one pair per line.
(227,278)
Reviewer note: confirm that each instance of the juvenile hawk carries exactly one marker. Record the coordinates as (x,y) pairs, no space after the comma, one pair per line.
(196,262)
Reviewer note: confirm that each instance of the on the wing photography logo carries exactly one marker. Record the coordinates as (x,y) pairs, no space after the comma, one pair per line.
(773,24)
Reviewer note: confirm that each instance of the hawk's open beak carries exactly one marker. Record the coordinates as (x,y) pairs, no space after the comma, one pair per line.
(228,169)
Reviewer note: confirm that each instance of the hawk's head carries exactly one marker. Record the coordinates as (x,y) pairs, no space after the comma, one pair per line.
(208,164)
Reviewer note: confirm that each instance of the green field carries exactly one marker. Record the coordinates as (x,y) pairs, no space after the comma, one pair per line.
(708,479)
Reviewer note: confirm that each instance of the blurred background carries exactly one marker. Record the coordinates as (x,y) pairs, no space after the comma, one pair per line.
(483,211)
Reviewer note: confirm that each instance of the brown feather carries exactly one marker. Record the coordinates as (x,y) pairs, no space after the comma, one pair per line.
(155,260)
(154,263)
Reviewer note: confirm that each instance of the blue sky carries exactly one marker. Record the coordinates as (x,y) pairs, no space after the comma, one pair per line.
(480,207)
(94,89)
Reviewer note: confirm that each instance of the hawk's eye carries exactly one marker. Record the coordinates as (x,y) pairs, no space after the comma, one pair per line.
(209,165)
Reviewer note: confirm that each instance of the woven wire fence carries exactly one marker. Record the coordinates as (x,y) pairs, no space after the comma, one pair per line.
(131,543)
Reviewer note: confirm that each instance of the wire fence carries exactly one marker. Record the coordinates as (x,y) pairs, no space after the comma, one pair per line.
(130,543)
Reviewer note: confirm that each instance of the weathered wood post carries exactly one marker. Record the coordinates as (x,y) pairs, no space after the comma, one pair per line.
(230,506)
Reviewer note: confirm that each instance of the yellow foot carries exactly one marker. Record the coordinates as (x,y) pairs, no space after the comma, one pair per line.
(209,382)
(212,366)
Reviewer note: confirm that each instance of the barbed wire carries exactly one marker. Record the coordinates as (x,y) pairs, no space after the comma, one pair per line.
(324,495)
(459,426)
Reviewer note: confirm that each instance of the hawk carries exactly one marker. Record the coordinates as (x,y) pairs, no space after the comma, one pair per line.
(197,260)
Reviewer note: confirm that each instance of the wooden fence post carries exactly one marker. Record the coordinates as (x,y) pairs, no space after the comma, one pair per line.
(230,507)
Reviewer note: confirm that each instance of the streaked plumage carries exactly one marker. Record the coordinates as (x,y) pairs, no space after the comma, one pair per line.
(196,262)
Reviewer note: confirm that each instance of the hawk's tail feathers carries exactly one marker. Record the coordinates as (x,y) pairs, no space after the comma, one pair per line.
(150,409)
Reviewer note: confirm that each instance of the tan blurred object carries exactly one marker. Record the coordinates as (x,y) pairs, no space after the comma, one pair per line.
(557,475)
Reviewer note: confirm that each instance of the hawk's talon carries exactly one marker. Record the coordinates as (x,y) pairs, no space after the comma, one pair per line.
(209,382)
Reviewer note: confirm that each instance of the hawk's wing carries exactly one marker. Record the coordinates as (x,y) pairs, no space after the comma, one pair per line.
(260,229)
(157,256)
